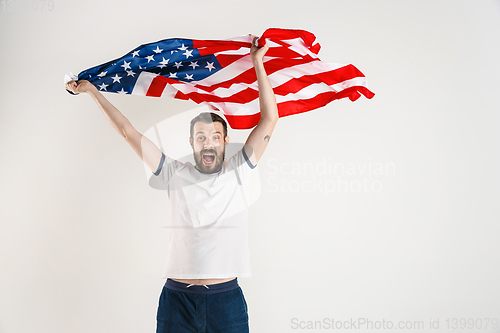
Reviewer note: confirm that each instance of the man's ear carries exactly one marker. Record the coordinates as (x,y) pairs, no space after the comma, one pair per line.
(191,142)
(226,140)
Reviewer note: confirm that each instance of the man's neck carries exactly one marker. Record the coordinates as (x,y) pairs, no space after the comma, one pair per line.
(211,173)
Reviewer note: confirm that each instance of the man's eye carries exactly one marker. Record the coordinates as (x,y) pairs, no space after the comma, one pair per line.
(201,138)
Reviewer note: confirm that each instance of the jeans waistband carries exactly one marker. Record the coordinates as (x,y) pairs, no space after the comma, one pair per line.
(201,289)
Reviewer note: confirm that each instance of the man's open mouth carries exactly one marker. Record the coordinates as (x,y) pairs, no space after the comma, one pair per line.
(208,158)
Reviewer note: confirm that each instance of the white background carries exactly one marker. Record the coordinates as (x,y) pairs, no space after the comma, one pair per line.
(81,243)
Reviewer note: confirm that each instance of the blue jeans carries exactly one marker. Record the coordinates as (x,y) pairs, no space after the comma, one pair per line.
(215,308)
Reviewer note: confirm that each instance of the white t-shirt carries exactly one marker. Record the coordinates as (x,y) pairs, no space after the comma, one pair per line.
(207,233)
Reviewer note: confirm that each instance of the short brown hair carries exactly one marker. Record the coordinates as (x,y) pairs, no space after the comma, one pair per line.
(207,118)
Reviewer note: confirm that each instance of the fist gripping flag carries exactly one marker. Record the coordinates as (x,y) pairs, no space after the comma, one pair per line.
(220,74)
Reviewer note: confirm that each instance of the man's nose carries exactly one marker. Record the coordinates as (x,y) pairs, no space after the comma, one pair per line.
(210,143)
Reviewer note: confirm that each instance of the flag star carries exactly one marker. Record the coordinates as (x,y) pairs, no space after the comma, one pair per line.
(194,64)
(135,53)
(116,78)
(140,67)
(173,51)
(126,65)
(130,73)
(103,86)
(150,58)
(122,92)
(189,77)
(183,48)
(188,53)
(102,74)
(178,64)
(164,62)
(158,50)
(210,66)
(173,75)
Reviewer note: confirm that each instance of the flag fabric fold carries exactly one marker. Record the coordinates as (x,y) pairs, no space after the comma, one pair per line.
(220,74)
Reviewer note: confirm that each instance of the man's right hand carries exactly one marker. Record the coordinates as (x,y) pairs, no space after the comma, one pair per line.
(82,86)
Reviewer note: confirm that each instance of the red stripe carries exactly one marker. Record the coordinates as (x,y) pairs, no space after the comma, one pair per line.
(242,97)
(181,95)
(242,122)
(156,88)
(158,85)
(275,35)
(331,77)
(224,44)
(299,106)
(227,59)
(275,65)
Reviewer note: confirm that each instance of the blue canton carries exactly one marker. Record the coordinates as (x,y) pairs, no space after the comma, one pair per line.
(172,58)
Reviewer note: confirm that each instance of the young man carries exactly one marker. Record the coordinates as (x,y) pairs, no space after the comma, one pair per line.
(208,242)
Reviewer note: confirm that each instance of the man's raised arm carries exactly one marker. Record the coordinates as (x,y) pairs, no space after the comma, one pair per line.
(146,149)
(259,138)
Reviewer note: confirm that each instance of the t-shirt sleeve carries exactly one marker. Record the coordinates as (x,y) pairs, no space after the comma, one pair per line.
(247,159)
(241,163)
(166,168)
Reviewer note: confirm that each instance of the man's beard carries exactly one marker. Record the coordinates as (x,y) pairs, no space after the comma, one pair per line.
(215,166)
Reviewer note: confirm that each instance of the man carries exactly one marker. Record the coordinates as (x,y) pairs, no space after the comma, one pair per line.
(207,244)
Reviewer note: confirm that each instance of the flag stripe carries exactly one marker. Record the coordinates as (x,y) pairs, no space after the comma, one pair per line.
(329,78)
(221,45)
(295,107)
(283,34)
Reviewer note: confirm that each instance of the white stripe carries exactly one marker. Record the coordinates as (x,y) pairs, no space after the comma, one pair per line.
(318,88)
(242,50)
(169,91)
(234,89)
(310,68)
(238,109)
(221,92)
(298,45)
(229,72)
(143,82)
(357,81)
(277,78)
(246,39)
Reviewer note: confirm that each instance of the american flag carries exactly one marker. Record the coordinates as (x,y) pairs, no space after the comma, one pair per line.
(220,74)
